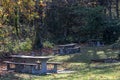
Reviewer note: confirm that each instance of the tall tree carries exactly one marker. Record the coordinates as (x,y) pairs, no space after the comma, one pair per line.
(23,13)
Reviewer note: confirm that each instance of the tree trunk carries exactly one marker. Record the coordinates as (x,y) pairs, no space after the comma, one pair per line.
(117,8)
(38,28)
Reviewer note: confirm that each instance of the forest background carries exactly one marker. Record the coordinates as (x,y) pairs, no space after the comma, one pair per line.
(27,25)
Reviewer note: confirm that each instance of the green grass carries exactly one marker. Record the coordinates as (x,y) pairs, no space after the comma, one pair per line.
(85,70)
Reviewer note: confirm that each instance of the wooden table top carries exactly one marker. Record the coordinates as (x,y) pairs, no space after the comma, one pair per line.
(73,44)
(31,57)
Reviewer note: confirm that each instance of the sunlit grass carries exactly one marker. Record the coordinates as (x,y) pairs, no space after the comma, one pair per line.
(81,63)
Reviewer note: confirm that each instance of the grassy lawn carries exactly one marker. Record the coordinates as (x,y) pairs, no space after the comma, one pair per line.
(85,70)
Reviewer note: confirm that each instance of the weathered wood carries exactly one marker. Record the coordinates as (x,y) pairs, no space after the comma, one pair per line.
(21,67)
(9,62)
(58,63)
(32,57)
(67,49)
(67,45)
(41,67)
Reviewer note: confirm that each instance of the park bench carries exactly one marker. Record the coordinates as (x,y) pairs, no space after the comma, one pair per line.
(66,49)
(73,50)
(21,67)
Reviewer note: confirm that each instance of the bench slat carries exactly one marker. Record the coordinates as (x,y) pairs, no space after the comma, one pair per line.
(9,62)
(20,68)
(57,63)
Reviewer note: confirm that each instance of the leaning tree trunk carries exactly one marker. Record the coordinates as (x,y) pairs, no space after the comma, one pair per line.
(37,44)
(38,40)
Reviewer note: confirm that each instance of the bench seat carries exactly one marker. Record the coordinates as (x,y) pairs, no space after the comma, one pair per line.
(55,63)
(9,62)
(21,67)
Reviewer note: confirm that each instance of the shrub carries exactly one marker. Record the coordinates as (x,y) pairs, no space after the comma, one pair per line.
(48,44)
(23,46)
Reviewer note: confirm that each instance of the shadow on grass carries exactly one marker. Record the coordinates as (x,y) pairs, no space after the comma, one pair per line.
(110,70)
(85,56)
(10,76)
(111,67)
(88,53)
(85,71)
(21,76)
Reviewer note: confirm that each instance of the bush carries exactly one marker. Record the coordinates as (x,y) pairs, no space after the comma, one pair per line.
(23,46)
(48,44)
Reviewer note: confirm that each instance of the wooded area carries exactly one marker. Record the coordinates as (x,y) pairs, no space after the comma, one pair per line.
(47,39)
(33,24)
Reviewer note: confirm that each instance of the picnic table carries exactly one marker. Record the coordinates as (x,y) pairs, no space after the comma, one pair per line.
(67,45)
(64,48)
(43,62)
(67,49)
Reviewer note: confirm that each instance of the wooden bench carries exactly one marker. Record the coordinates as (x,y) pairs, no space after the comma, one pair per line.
(21,67)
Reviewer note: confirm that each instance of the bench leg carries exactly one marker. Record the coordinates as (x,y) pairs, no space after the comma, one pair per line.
(8,66)
(55,68)
(43,67)
(33,71)
(39,66)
